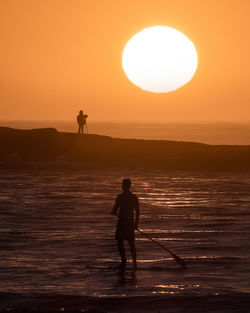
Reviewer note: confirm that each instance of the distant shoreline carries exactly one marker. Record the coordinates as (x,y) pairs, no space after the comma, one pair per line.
(46,147)
(216,133)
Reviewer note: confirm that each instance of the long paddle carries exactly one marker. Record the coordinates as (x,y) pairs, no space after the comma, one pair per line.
(179,260)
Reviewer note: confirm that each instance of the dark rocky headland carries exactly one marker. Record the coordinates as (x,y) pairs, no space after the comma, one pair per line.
(50,148)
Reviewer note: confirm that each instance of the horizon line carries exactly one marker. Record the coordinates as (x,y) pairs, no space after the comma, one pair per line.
(130,122)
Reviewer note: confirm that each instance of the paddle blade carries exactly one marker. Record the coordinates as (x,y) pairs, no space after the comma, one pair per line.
(179,260)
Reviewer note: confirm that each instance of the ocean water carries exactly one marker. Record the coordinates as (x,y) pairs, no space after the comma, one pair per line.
(57,234)
(210,133)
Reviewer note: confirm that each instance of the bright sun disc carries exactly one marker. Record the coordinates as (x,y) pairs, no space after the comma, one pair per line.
(159,59)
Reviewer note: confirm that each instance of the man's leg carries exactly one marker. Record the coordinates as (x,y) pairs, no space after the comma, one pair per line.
(133,251)
(121,250)
(78,129)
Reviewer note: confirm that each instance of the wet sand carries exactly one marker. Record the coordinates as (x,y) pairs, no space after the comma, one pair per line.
(171,304)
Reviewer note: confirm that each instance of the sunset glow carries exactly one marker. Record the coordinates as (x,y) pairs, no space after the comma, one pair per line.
(59,56)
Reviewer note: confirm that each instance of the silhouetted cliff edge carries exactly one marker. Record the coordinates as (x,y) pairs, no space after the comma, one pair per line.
(23,148)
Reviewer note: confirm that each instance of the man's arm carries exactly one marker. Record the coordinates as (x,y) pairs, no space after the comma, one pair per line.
(137,214)
(116,207)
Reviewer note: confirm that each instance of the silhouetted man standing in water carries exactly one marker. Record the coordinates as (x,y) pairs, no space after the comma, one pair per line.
(81,120)
(127,202)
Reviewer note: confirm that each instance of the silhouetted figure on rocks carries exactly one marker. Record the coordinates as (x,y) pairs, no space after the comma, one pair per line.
(82,121)
(127,203)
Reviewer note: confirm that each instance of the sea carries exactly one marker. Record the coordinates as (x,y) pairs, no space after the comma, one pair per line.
(59,254)
(57,234)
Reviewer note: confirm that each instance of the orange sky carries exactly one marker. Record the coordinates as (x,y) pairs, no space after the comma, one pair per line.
(58,56)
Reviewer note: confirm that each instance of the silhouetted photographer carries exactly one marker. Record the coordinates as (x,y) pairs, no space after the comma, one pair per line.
(82,121)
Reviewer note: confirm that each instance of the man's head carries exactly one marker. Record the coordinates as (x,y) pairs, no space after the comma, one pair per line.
(81,112)
(126,183)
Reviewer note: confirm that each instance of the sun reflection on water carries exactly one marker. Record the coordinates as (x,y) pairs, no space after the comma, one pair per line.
(174,288)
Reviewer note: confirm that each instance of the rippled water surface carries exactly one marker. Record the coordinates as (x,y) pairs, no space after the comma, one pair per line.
(57,234)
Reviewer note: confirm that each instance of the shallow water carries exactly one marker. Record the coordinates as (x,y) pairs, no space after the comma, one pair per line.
(57,234)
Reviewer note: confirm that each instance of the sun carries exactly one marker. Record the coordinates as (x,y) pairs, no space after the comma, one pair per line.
(159,59)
